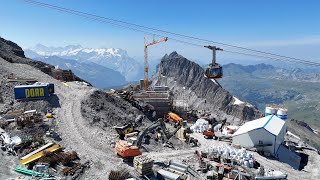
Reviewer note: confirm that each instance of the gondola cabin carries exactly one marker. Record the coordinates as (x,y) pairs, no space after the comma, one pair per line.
(214,71)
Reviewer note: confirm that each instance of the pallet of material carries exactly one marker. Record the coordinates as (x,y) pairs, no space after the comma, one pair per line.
(38,150)
(143,164)
(38,155)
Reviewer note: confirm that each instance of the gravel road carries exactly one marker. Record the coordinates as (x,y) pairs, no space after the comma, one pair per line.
(91,143)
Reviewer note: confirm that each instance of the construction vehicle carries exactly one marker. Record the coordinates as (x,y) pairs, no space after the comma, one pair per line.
(173,118)
(128,128)
(214,70)
(125,129)
(146,68)
(211,133)
(131,148)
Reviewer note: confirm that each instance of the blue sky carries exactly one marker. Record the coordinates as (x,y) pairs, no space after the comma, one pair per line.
(285,27)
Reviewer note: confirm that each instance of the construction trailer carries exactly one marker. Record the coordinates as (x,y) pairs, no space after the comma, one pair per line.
(37,90)
(265,134)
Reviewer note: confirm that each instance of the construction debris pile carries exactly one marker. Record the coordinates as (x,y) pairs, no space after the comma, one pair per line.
(34,141)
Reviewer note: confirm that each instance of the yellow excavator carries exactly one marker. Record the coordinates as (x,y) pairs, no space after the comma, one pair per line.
(125,129)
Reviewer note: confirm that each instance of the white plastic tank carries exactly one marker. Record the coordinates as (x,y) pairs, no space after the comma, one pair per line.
(270,111)
(282,113)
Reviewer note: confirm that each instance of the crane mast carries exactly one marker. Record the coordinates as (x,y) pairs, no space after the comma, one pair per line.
(146,67)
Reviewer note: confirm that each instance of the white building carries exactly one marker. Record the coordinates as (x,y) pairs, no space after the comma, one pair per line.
(265,134)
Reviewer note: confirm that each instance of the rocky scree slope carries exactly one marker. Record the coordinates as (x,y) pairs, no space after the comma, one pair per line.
(304,132)
(187,81)
(12,62)
(104,110)
(13,53)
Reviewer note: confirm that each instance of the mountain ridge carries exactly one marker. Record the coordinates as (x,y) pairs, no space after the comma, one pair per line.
(113,58)
(187,81)
(98,76)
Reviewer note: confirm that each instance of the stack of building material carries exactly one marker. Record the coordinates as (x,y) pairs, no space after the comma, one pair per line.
(178,166)
(143,164)
(200,126)
(181,134)
(241,156)
(164,175)
(28,118)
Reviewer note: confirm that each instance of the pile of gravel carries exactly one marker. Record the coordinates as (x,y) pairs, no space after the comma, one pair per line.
(105,110)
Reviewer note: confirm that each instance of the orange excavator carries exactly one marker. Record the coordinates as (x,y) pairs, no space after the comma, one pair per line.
(131,148)
(173,117)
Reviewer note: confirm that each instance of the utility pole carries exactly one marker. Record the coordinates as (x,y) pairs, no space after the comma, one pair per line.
(146,67)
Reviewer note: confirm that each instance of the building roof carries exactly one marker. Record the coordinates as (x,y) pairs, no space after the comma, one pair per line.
(271,123)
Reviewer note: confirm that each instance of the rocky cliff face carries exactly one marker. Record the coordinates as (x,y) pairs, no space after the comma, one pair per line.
(13,53)
(187,81)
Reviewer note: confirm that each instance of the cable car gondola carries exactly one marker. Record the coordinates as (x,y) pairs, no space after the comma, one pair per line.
(214,70)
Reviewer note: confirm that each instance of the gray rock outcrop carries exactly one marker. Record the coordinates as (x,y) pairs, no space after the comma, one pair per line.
(187,82)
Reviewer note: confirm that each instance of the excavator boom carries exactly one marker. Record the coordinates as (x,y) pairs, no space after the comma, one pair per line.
(125,150)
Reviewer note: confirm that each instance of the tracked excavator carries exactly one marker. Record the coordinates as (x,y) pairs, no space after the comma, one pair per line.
(129,150)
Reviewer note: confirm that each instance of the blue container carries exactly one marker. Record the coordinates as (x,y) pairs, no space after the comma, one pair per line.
(283,117)
(36,91)
(268,114)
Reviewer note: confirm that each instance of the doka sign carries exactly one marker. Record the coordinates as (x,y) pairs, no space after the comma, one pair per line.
(34,92)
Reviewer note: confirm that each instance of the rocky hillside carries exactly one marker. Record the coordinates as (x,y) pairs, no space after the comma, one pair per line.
(262,84)
(186,79)
(13,53)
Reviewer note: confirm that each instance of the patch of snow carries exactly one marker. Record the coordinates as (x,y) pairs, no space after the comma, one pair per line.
(315,131)
(237,101)
(293,135)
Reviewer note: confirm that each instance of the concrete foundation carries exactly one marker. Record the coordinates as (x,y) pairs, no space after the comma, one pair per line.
(160,100)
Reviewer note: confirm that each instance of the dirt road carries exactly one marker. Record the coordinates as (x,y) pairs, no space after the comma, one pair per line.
(89,142)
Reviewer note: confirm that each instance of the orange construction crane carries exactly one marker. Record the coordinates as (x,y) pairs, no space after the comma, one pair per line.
(146,68)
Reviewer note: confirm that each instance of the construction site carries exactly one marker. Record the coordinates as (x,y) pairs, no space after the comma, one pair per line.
(163,128)
(180,124)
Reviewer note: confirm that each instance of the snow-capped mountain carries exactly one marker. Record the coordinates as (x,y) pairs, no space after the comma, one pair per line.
(117,59)
(99,76)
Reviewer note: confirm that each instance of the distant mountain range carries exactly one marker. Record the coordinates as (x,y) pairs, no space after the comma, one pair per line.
(99,76)
(262,84)
(111,58)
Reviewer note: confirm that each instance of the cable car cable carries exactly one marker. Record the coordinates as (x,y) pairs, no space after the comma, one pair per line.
(136,26)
